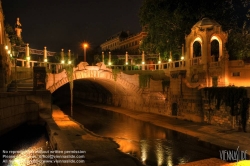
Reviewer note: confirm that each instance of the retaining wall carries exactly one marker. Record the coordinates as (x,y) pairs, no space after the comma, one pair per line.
(18,108)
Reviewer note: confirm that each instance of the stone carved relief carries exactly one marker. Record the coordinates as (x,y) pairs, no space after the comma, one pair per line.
(197,76)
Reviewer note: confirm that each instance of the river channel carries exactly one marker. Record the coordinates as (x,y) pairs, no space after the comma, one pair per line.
(152,145)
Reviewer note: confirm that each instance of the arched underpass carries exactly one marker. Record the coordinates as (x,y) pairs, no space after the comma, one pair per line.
(100,90)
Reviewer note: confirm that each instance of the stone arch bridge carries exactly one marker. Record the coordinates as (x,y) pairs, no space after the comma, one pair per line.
(99,83)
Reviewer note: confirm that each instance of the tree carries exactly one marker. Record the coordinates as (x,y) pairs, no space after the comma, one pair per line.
(168,21)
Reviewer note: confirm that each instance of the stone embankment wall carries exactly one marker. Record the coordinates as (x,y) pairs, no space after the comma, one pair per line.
(222,117)
(188,101)
(182,99)
(18,108)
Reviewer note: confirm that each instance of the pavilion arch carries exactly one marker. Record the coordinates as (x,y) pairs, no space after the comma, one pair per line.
(205,31)
(197,39)
(217,38)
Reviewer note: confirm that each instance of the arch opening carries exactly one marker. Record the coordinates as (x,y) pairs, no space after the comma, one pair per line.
(196,49)
(215,49)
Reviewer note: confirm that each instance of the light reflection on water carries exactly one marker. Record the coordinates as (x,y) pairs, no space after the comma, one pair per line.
(25,139)
(27,155)
(151,144)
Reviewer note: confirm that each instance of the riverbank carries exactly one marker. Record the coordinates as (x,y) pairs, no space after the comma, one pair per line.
(103,151)
(213,135)
(67,134)
(230,139)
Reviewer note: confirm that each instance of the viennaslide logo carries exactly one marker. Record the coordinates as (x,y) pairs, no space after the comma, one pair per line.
(233,155)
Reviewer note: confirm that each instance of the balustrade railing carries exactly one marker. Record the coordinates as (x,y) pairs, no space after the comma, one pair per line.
(195,61)
(161,66)
(54,67)
(57,67)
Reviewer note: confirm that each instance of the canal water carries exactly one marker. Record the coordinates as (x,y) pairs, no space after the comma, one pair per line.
(21,141)
(152,145)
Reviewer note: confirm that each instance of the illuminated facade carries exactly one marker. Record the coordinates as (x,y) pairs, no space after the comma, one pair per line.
(124,41)
(5,61)
(212,68)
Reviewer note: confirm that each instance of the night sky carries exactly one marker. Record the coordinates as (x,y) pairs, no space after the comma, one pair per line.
(66,24)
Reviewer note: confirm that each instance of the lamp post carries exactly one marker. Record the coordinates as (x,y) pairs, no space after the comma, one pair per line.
(85,45)
(70,70)
(71,85)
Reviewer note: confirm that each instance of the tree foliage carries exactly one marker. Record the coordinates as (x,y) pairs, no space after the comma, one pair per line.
(168,21)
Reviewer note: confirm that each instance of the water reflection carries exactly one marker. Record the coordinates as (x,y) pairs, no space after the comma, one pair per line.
(151,144)
(27,155)
(24,141)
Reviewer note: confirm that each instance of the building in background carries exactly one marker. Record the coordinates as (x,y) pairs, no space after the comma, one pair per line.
(124,41)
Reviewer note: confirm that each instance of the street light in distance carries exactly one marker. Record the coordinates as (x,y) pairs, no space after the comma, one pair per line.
(85,45)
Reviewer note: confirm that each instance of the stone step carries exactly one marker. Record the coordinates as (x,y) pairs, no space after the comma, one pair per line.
(20,89)
(30,80)
(21,85)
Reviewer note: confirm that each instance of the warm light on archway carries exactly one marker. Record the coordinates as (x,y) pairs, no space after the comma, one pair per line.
(215,38)
(220,44)
(198,39)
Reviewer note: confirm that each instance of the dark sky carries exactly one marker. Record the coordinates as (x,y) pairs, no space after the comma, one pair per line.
(68,23)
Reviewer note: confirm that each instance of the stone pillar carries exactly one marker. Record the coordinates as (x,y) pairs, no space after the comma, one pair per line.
(27,53)
(45,55)
(126,58)
(143,60)
(103,57)
(204,59)
(188,49)
(109,63)
(159,61)
(69,57)
(170,60)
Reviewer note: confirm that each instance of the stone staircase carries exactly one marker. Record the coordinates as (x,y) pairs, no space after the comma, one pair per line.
(22,85)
